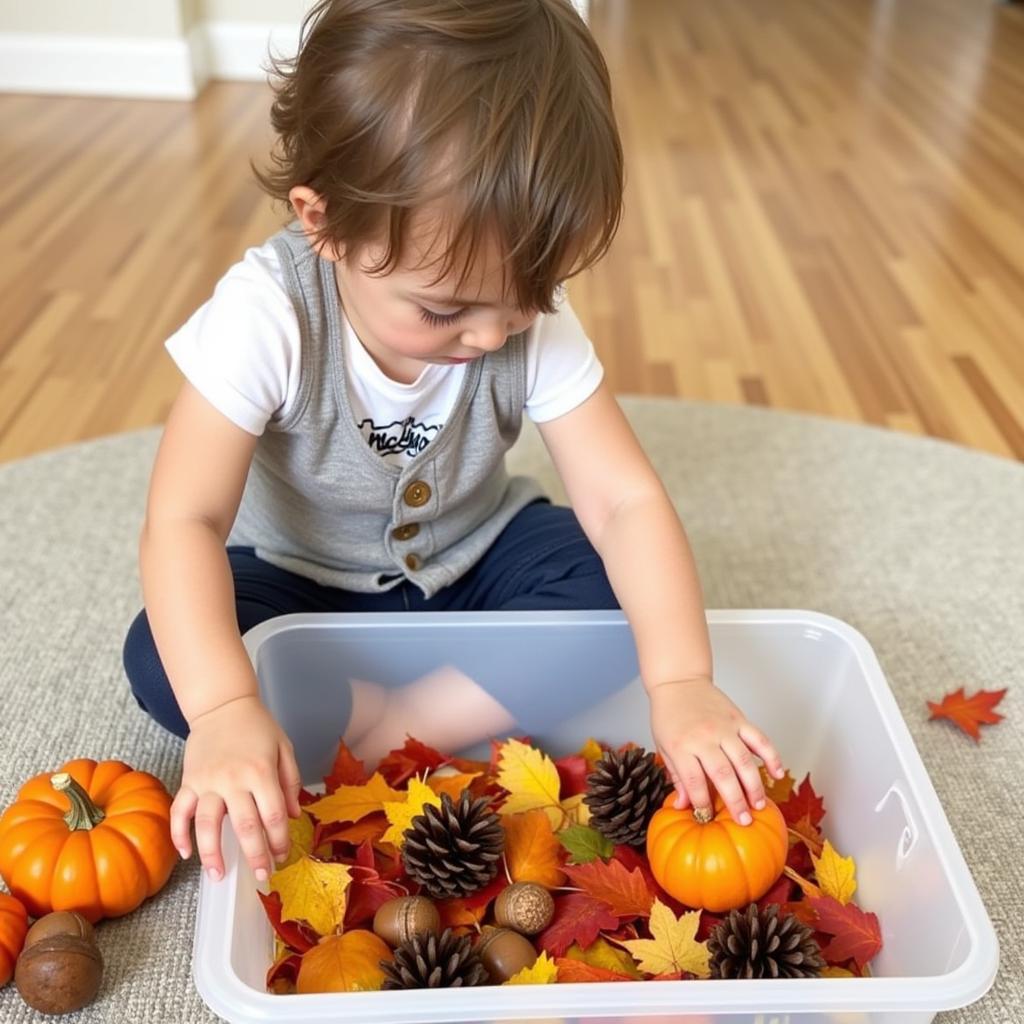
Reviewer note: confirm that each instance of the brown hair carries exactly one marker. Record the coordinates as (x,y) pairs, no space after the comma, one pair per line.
(502,107)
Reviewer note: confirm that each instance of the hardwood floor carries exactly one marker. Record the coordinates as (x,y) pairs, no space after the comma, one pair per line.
(825,212)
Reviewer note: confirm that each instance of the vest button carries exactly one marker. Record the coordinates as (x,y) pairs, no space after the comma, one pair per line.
(406,532)
(413,562)
(417,494)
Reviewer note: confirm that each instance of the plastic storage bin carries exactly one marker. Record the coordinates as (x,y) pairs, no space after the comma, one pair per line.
(810,681)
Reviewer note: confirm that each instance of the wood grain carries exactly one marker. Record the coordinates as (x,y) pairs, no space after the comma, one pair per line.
(824,213)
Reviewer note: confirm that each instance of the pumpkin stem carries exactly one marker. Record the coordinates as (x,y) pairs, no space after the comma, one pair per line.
(702,815)
(84,814)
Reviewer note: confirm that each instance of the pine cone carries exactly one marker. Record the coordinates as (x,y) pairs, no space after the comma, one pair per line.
(454,849)
(430,961)
(763,944)
(623,792)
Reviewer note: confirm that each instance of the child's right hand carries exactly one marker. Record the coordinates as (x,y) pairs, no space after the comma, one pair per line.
(238,760)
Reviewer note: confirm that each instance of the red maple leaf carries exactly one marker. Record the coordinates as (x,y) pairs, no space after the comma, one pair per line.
(803,801)
(413,758)
(295,936)
(284,972)
(579,917)
(347,770)
(626,892)
(856,933)
(969,712)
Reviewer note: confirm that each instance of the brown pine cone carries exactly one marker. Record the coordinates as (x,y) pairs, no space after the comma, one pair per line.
(767,943)
(431,961)
(623,792)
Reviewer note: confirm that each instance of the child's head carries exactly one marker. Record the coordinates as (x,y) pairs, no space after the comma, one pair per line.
(434,137)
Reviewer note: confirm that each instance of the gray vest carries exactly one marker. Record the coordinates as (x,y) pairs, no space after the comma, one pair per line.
(321,503)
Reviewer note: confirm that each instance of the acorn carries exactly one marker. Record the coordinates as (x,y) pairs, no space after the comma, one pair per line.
(505,953)
(525,907)
(400,919)
(60,922)
(59,973)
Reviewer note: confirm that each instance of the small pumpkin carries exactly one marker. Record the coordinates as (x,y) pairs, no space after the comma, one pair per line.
(13,928)
(93,837)
(714,863)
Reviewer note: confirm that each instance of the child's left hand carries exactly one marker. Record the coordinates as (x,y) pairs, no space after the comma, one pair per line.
(699,732)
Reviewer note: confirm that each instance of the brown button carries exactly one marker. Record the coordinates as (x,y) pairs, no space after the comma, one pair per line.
(413,562)
(406,532)
(417,494)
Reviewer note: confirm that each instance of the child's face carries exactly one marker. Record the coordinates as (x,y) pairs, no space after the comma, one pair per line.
(404,321)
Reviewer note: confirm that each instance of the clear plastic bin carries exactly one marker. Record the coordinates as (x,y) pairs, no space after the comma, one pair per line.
(810,681)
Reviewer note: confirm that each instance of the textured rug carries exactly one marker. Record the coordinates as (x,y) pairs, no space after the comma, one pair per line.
(918,544)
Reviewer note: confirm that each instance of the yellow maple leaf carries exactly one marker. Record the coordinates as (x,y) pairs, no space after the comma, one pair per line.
(543,972)
(300,832)
(591,752)
(532,781)
(674,946)
(831,971)
(601,953)
(575,810)
(313,891)
(351,803)
(401,812)
(836,875)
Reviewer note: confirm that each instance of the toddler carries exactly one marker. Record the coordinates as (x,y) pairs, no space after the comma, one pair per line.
(351,389)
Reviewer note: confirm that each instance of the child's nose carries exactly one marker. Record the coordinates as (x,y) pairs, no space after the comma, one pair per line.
(487,339)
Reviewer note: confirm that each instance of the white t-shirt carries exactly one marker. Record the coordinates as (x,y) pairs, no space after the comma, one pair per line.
(241,350)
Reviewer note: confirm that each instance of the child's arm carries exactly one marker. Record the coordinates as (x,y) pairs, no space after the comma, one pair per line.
(624,510)
(237,759)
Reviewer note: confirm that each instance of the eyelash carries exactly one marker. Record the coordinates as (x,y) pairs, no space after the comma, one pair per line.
(428,316)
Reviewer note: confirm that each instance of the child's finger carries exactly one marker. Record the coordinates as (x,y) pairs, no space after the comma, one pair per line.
(746,769)
(291,782)
(691,774)
(209,815)
(271,806)
(248,826)
(720,769)
(759,743)
(681,800)
(183,807)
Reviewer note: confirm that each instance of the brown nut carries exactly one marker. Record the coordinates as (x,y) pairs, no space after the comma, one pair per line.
(60,922)
(59,973)
(400,919)
(505,953)
(524,907)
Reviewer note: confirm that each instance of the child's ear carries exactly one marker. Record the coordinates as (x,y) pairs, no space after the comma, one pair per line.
(311,211)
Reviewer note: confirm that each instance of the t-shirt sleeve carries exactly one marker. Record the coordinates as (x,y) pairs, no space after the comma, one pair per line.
(240,350)
(562,368)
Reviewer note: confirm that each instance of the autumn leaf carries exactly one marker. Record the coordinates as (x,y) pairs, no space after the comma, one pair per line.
(570,971)
(673,947)
(347,770)
(575,810)
(804,830)
(351,803)
(808,887)
(414,758)
(543,972)
(585,844)
(300,832)
(371,827)
(283,972)
(836,875)
(803,801)
(344,963)
(573,771)
(969,712)
(531,780)
(777,790)
(452,784)
(368,891)
(401,812)
(294,935)
(578,918)
(626,892)
(607,957)
(591,752)
(313,891)
(532,852)
(831,971)
(856,933)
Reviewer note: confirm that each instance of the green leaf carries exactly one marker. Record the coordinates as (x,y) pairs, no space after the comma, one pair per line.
(585,844)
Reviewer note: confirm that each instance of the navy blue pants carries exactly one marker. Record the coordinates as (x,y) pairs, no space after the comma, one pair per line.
(541,561)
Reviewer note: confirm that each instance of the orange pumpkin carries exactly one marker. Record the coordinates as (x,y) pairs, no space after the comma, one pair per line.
(13,928)
(93,837)
(716,864)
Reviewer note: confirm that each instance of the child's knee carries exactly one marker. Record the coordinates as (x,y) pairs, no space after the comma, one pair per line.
(146,676)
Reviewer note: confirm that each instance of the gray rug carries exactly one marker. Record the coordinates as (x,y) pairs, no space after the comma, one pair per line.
(918,544)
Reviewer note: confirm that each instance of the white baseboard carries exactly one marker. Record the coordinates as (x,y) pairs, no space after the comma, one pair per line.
(146,68)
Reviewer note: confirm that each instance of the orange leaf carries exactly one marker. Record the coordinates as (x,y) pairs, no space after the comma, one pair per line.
(347,770)
(969,712)
(856,933)
(532,852)
(626,892)
(344,963)
(453,784)
(371,827)
(576,970)
(456,913)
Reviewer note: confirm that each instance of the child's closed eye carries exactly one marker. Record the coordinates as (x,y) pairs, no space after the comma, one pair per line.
(439,319)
